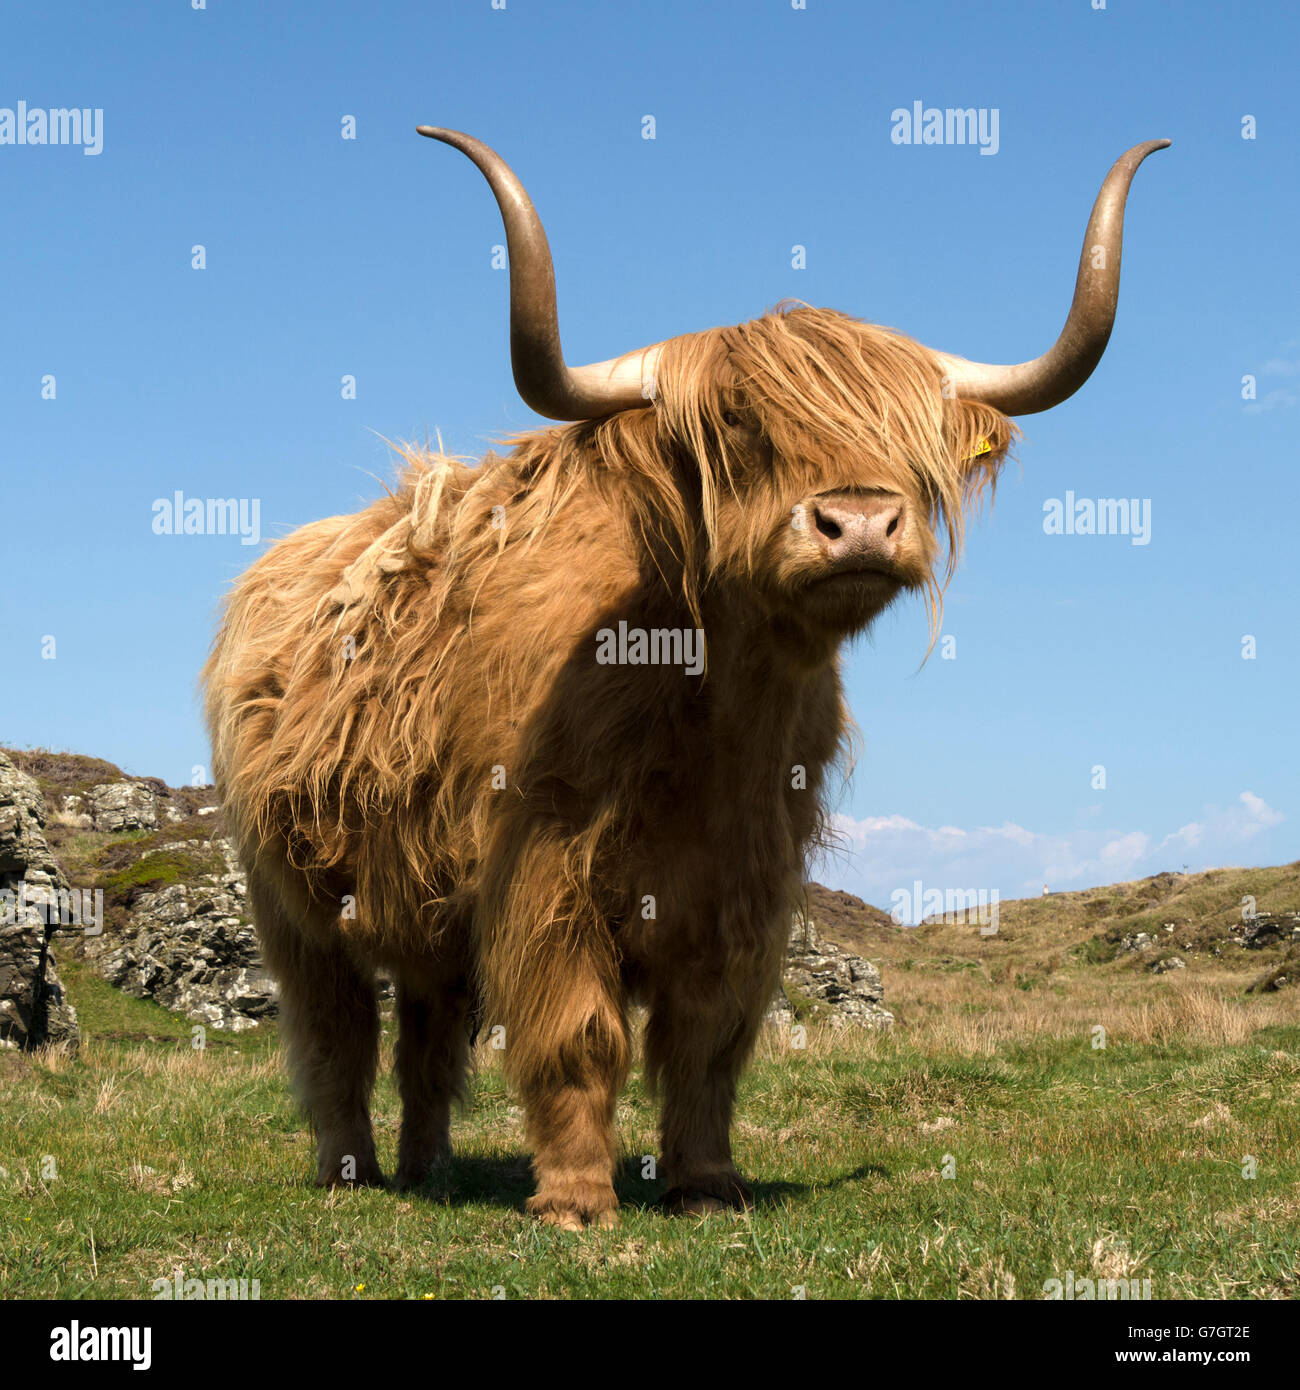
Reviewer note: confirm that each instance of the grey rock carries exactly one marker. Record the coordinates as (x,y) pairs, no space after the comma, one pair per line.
(1270,929)
(1137,941)
(845,985)
(1169,963)
(34,1010)
(117,806)
(188,947)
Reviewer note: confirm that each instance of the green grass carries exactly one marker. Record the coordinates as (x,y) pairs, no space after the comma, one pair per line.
(159,869)
(139,1155)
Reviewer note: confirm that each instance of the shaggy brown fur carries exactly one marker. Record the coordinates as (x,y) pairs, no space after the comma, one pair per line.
(429,772)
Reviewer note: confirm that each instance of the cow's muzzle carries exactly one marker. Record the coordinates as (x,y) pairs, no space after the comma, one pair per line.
(858,532)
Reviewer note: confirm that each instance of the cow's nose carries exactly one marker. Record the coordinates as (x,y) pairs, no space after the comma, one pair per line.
(859,530)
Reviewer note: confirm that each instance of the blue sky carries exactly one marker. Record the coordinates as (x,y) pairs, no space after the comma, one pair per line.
(372,257)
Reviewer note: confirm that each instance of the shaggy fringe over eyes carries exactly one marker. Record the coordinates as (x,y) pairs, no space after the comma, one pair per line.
(840,402)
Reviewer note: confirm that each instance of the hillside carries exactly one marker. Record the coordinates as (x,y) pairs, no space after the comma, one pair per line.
(1222,921)
(1149,959)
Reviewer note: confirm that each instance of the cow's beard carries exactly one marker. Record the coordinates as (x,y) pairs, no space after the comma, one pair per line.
(844,603)
(810,623)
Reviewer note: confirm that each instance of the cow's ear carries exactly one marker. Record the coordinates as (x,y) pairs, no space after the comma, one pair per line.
(980,436)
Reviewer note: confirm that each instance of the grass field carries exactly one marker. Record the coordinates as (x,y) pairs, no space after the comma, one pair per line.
(984,1148)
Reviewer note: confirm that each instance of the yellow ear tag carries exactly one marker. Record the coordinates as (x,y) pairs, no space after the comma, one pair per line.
(984,447)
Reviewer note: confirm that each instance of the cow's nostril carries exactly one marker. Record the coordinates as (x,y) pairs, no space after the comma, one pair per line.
(893,525)
(830,529)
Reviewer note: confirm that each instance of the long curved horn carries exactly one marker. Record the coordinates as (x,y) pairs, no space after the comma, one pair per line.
(1029,387)
(544,382)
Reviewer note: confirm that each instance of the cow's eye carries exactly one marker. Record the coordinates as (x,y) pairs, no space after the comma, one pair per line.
(730,418)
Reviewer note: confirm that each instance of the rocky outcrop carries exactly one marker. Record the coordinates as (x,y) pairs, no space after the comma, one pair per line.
(825,983)
(128,804)
(33,1007)
(1256,933)
(1271,929)
(119,806)
(190,947)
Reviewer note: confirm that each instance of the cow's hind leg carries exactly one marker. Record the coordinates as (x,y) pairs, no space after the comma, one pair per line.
(432,1053)
(329,1018)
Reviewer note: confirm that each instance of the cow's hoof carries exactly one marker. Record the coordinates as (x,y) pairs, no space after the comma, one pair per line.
(334,1180)
(574,1206)
(710,1196)
(364,1173)
(415,1173)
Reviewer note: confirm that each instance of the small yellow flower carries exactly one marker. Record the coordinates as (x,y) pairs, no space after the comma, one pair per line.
(360,1287)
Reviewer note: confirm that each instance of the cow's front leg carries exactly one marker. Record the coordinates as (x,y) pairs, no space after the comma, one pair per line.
(705,1014)
(556,989)
(570,1087)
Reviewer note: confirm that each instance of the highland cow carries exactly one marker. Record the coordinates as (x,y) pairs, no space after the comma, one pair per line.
(434,768)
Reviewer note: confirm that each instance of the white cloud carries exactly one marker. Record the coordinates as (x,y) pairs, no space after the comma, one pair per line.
(1128,849)
(1260,814)
(881,854)
(1188,837)
(1281,398)
(1232,824)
